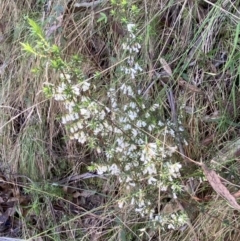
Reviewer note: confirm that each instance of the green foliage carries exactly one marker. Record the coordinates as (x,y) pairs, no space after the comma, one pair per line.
(28,48)
(103,18)
(36,29)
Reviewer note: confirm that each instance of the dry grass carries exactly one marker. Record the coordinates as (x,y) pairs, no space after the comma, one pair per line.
(196,38)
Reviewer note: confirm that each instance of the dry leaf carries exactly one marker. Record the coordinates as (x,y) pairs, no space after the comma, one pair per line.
(237,194)
(13,199)
(76,194)
(3,66)
(52,29)
(186,85)
(208,140)
(217,185)
(12,239)
(3,218)
(10,212)
(87,193)
(166,66)
(171,207)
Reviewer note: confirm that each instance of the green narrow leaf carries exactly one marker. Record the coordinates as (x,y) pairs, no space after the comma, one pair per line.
(235,44)
(28,48)
(103,18)
(35,27)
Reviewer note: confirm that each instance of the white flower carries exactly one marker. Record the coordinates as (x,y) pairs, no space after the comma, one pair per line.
(137,45)
(84,99)
(134,106)
(114,104)
(75,116)
(129,179)
(173,169)
(185,142)
(132,184)
(181,128)
(151,212)
(64,120)
(163,187)
(158,218)
(139,210)
(171,150)
(134,132)
(66,76)
(125,107)
(151,149)
(132,147)
(125,46)
(130,60)
(107,109)
(102,169)
(126,127)
(182,219)
(82,138)
(160,123)
(171,132)
(151,127)
(135,163)
(170,226)
(117,130)
(59,97)
(61,88)
(79,125)
(133,72)
(102,115)
(85,86)
(114,169)
(109,153)
(85,113)
(137,67)
(127,90)
(140,124)
(133,36)
(120,204)
(132,201)
(127,167)
(140,141)
(75,90)
(150,169)
(69,117)
(98,129)
(130,27)
(98,149)
(132,115)
(70,105)
(152,180)
(147,115)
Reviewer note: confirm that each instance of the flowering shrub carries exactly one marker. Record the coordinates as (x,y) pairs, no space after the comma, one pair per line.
(127,130)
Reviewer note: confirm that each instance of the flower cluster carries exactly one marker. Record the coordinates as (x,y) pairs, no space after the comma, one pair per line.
(131,47)
(136,158)
(175,221)
(127,130)
(139,160)
(85,117)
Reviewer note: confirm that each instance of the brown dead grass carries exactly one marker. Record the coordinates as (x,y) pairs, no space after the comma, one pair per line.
(33,144)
